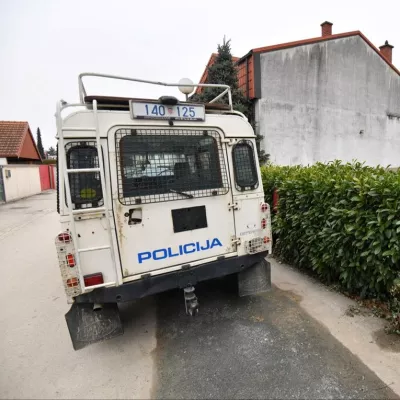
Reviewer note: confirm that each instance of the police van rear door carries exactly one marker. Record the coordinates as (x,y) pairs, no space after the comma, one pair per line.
(172,197)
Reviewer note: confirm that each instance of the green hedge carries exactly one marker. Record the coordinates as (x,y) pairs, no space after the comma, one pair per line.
(49,161)
(340,220)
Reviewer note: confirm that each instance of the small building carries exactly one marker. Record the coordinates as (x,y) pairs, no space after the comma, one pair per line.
(335,96)
(17,145)
(19,158)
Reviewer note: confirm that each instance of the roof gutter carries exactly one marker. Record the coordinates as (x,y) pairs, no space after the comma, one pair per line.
(250,53)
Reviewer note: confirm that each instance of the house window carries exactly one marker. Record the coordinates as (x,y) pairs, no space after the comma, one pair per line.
(85,187)
(244,166)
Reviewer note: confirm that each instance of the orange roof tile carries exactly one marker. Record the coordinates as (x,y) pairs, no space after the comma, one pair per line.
(12,137)
(211,61)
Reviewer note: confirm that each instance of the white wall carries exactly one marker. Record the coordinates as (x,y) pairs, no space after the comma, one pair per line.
(316,99)
(23,182)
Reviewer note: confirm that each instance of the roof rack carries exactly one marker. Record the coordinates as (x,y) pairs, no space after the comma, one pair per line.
(83,95)
(122,103)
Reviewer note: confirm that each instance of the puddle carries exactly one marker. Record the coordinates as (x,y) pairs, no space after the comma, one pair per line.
(297,298)
(287,293)
(353,310)
(389,342)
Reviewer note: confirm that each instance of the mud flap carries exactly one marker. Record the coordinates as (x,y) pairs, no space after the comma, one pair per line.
(256,279)
(87,326)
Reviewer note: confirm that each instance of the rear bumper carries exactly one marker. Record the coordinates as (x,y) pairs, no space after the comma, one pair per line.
(177,279)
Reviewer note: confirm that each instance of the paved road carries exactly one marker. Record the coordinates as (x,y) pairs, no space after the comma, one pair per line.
(258,347)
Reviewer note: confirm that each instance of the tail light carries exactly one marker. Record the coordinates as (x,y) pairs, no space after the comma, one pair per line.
(264,207)
(72,282)
(266,239)
(263,223)
(70,260)
(93,279)
(64,237)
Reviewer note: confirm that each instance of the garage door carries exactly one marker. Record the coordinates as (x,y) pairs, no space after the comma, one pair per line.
(44,177)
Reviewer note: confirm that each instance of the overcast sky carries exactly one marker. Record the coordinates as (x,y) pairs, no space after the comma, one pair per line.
(45,44)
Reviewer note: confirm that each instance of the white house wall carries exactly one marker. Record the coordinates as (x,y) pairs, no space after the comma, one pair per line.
(329,100)
(21,181)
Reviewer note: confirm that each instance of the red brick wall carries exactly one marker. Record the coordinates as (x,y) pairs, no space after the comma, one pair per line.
(326,28)
(242,76)
(386,51)
(246,76)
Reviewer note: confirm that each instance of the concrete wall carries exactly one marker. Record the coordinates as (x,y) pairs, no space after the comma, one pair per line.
(24,181)
(316,99)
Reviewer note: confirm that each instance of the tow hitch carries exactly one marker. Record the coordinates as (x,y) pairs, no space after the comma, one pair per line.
(191,302)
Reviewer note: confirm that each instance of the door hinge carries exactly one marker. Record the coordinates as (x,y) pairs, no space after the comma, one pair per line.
(233,206)
(229,142)
(236,241)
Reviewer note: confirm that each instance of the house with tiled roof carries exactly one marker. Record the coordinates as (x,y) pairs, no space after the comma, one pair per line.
(335,96)
(17,145)
(21,171)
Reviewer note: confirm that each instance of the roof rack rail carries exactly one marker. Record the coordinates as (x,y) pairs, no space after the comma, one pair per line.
(82,91)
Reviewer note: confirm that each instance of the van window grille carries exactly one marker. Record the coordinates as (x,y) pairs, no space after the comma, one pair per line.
(244,166)
(156,165)
(85,186)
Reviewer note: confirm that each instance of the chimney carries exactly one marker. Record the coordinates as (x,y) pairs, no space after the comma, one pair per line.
(326,28)
(386,51)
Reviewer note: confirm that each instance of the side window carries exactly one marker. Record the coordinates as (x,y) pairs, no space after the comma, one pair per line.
(244,166)
(85,186)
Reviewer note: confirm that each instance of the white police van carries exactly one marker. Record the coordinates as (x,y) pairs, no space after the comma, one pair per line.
(154,195)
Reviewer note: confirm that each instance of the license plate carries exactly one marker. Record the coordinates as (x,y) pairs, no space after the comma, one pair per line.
(180,112)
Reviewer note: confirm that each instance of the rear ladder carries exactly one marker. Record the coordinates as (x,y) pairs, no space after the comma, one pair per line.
(72,213)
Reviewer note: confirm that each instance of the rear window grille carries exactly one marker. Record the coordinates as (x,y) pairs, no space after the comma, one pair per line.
(85,186)
(157,165)
(244,165)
